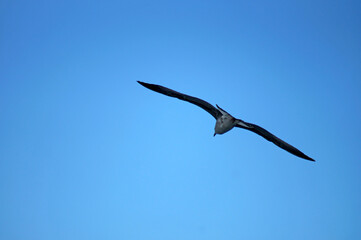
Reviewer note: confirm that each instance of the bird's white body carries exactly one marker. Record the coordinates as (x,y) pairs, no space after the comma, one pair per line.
(224,124)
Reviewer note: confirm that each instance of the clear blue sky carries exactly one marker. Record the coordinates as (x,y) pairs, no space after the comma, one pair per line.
(88,153)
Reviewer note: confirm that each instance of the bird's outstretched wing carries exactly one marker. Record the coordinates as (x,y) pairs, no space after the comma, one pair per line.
(272,138)
(171,93)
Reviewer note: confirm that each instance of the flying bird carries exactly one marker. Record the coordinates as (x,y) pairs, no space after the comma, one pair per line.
(224,120)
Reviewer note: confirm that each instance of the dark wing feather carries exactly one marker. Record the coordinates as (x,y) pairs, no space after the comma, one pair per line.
(272,138)
(171,93)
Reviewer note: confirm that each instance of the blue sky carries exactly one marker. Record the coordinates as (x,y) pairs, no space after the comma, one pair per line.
(88,153)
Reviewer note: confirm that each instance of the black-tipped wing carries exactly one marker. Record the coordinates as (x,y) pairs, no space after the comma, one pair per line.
(171,93)
(272,138)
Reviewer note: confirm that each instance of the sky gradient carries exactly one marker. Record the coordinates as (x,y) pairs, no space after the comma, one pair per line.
(88,153)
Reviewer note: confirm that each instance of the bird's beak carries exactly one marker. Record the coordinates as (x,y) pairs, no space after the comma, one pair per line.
(214,134)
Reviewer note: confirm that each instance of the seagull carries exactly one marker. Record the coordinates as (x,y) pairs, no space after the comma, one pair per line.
(224,120)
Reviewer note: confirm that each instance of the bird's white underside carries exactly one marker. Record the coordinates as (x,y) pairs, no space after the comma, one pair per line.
(224,123)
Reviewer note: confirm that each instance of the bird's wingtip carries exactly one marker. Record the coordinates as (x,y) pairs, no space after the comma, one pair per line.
(142,83)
